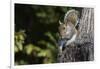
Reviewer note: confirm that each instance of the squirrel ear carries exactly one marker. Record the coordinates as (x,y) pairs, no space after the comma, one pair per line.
(60,22)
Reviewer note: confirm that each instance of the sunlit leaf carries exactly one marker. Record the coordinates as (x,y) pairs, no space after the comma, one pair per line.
(30,48)
(16,49)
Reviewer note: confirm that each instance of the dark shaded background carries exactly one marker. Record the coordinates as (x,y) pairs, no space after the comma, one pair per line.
(36,33)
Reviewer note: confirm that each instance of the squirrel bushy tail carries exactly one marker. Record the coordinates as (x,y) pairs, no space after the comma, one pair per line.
(72,16)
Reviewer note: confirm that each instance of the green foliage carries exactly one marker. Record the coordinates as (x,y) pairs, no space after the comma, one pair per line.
(28,49)
(19,40)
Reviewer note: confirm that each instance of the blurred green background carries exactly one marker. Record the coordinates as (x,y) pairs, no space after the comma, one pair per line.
(36,33)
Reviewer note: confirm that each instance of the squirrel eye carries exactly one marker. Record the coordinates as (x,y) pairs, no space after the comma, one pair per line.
(63,27)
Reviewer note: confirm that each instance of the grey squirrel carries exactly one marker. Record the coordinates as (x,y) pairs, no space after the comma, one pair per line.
(67,30)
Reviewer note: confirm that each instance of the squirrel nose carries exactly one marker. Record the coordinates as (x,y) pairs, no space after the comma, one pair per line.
(67,39)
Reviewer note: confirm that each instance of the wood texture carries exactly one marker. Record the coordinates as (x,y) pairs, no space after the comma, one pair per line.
(83,48)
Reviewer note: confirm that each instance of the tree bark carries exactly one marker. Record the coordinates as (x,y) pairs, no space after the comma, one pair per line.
(83,48)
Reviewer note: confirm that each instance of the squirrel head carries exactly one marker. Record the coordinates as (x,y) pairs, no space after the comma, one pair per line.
(66,30)
(62,29)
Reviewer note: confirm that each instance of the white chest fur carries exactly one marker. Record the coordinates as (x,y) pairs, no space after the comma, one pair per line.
(71,40)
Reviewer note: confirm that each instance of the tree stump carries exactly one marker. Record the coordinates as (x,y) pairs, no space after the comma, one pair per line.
(83,48)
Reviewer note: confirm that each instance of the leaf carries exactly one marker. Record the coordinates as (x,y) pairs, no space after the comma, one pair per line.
(31,48)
